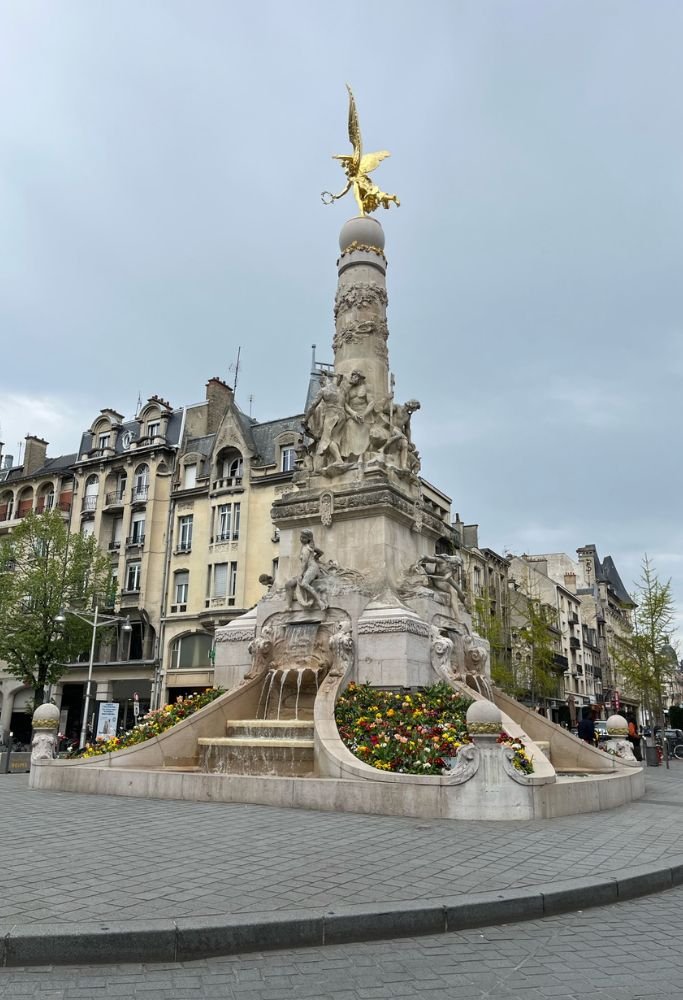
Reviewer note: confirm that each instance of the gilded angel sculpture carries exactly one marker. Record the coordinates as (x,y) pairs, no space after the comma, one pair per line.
(357,167)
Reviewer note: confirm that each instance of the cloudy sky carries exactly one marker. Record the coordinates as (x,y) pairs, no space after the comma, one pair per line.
(160,173)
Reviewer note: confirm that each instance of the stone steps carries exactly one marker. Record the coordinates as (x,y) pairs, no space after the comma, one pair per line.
(282,747)
(270,728)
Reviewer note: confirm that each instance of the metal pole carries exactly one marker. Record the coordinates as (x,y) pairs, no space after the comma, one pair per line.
(84,726)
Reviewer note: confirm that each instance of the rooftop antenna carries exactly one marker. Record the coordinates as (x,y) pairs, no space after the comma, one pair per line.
(20,446)
(236,370)
(313,357)
(251,400)
(139,403)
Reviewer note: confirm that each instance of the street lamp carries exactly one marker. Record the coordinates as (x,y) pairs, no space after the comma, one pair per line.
(95,622)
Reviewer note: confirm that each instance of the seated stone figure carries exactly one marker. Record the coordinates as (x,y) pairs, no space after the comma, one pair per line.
(302,588)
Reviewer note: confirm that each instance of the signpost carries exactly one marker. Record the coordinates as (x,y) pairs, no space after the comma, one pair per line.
(107,720)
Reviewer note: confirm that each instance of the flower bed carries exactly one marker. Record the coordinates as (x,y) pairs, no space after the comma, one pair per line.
(154,723)
(410,733)
(407,733)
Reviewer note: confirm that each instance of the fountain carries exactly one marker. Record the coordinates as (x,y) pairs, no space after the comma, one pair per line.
(369,589)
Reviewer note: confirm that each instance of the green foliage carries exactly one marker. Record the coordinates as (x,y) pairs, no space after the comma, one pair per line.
(44,568)
(645,659)
(532,672)
(155,722)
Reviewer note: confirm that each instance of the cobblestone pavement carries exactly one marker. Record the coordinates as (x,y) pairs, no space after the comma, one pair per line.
(64,853)
(629,951)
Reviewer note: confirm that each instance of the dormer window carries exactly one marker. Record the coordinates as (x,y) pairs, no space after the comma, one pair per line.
(288,459)
(103,441)
(153,428)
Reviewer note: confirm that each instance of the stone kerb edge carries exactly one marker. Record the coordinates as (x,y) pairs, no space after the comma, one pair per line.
(197,937)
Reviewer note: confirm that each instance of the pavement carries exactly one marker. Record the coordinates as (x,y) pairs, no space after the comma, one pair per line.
(628,951)
(102,879)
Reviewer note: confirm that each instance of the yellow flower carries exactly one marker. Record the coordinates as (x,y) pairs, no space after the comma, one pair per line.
(391,712)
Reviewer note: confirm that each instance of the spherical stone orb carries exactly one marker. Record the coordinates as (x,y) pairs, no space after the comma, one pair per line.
(46,717)
(617,726)
(484,717)
(363,230)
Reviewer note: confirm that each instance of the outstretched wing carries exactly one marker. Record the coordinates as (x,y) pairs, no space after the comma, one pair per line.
(372,160)
(354,129)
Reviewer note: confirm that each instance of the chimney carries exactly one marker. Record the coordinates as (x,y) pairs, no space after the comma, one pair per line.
(34,454)
(470,536)
(220,397)
(570,582)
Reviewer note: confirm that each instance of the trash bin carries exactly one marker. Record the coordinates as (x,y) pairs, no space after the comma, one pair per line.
(651,756)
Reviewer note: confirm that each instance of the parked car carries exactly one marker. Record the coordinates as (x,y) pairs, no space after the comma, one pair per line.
(601,730)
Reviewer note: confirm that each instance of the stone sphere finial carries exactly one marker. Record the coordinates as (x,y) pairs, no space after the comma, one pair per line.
(46,717)
(363,231)
(617,726)
(484,718)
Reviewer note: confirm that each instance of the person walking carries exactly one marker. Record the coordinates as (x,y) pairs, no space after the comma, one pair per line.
(587,727)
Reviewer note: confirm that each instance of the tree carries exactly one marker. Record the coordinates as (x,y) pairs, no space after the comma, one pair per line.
(524,664)
(645,659)
(44,568)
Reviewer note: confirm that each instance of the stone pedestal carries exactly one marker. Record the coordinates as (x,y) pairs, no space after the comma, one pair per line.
(45,732)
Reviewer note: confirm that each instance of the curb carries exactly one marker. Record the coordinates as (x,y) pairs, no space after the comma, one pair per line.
(190,938)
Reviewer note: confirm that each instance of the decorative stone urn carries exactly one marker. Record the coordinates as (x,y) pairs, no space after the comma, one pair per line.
(45,732)
(618,742)
(484,721)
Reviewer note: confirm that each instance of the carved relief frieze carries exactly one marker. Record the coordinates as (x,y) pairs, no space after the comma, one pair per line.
(376,626)
(326,508)
(362,293)
(235,635)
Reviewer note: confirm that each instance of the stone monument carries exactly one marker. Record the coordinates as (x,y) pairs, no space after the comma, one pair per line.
(360,555)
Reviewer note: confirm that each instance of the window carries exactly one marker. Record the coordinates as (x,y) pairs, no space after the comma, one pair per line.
(88,528)
(153,428)
(103,441)
(141,484)
(189,477)
(220,579)
(182,583)
(137,527)
(232,580)
(227,522)
(185,532)
(117,533)
(121,485)
(91,490)
(49,500)
(232,468)
(288,459)
(133,576)
(191,651)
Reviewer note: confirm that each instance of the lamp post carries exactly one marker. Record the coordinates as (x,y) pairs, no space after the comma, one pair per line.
(95,622)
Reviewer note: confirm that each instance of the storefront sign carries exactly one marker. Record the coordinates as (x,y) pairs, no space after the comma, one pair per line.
(107,720)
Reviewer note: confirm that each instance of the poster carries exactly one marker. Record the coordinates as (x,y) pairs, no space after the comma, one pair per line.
(107,720)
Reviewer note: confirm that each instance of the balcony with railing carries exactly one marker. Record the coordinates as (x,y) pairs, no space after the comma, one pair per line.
(115,498)
(139,494)
(227,483)
(226,536)
(135,541)
(89,504)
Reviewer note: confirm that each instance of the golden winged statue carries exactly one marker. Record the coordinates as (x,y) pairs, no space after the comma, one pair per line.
(357,167)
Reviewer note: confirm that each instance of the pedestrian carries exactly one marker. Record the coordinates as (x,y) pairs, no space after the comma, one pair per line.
(634,737)
(587,727)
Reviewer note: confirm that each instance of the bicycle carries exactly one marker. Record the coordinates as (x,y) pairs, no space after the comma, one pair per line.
(677,751)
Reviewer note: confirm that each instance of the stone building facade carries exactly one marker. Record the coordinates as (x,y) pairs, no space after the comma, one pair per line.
(606,614)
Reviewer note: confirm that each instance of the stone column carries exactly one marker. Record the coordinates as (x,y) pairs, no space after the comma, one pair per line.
(360,308)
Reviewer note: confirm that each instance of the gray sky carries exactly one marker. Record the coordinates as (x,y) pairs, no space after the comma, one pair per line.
(160,171)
